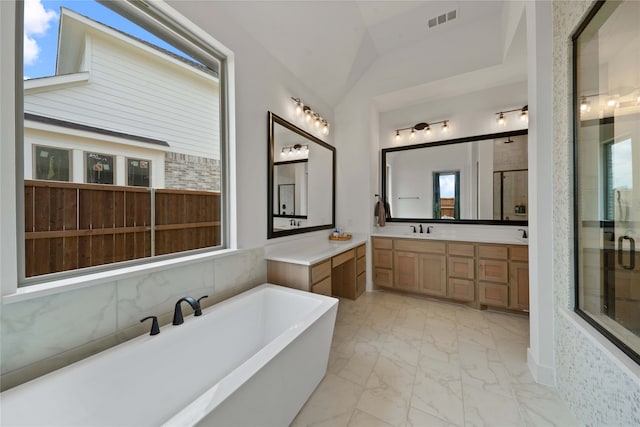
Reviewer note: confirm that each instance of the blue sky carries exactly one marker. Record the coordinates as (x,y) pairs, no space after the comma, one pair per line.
(41,31)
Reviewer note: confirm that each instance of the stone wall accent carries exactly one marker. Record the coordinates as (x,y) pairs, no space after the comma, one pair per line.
(188,172)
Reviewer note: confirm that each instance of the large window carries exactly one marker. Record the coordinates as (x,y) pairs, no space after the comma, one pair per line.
(115,88)
(607,181)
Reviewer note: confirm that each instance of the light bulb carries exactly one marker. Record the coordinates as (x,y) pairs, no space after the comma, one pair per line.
(611,102)
(299,108)
(638,100)
(413,133)
(397,135)
(524,115)
(325,128)
(307,115)
(445,126)
(583,104)
(501,120)
(427,130)
(317,122)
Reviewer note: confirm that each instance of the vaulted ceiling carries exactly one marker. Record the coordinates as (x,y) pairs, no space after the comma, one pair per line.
(335,46)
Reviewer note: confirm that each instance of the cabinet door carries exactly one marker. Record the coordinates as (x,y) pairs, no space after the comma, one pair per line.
(493,271)
(462,268)
(382,258)
(406,271)
(493,294)
(433,275)
(461,289)
(383,277)
(519,286)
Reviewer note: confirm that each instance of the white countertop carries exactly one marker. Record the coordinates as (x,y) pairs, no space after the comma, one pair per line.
(460,233)
(311,250)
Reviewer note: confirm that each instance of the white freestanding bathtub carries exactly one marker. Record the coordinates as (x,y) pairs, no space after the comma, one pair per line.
(252,360)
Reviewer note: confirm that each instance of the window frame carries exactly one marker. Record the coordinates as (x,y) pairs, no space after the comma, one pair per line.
(575,109)
(114,165)
(34,166)
(162,20)
(126,164)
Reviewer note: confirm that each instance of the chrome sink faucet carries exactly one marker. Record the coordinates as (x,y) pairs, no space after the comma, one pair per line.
(177,313)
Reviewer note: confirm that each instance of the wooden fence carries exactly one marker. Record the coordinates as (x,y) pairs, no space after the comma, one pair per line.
(70,225)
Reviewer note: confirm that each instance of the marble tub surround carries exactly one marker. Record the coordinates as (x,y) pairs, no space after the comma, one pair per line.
(508,234)
(47,333)
(398,360)
(311,250)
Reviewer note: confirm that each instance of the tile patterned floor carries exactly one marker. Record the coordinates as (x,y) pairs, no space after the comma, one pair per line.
(405,361)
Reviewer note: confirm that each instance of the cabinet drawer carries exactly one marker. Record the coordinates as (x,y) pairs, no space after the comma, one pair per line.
(461,289)
(461,249)
(383,277)
(419,246)
(462,268)
(381,243)
(493,252)
(324,287)
(360,251)
(361,282)
(343,257)
(320,271)
(519,253)
(382,258)
(493,294)
(361,265)
(493,271)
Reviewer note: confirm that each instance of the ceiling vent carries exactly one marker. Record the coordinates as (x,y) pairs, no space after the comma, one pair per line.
(441,19)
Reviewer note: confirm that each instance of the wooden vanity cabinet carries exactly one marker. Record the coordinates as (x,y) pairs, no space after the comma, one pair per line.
(461,271)
(420,266)
(342,275)
(381,248)
(519,277)
(495,275)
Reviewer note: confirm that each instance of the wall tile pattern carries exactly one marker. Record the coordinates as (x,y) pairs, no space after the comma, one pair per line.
(596,390)
(47,333)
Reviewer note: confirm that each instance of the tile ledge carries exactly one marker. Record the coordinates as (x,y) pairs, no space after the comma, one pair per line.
(87,280)
(603,344)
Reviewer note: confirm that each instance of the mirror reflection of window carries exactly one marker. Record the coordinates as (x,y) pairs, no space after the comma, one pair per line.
(99,168)
(51,164)
(446,195)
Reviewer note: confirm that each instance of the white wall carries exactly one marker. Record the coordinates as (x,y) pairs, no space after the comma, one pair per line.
(47,332)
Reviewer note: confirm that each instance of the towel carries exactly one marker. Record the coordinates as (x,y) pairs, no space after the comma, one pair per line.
(380,213)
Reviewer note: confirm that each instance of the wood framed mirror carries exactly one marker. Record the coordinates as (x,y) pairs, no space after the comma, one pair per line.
(302,170)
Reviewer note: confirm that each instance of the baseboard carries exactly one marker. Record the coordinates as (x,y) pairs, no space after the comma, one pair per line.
(542,374)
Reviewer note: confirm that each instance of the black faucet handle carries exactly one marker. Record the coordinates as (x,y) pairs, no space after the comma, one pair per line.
(198,310)
(413,227)
(155,329)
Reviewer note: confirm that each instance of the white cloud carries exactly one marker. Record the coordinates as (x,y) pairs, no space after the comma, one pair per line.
(37,21)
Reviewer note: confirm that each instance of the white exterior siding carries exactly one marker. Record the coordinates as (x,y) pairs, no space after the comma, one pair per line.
(136,92)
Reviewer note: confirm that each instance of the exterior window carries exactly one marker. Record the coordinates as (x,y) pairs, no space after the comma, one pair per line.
(606,172)
(153,100)
(138,172)
(446,195)
(51,163)
(99,168)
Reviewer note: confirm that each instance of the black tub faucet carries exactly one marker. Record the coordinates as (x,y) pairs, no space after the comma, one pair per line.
(524,233)
(421,229)
(429,229)
(413,227)
(177,313)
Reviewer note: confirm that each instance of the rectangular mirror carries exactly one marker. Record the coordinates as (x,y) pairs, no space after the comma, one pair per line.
(301,182)
(480,179)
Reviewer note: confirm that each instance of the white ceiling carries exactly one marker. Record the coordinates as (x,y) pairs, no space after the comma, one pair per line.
(335,45)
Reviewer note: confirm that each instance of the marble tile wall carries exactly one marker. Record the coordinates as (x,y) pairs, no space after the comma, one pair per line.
(44,334)
(597,390)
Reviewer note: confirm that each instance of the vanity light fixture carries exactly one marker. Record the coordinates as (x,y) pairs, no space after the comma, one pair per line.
(446,125)
(311,116)
(502,120)
(294,150)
